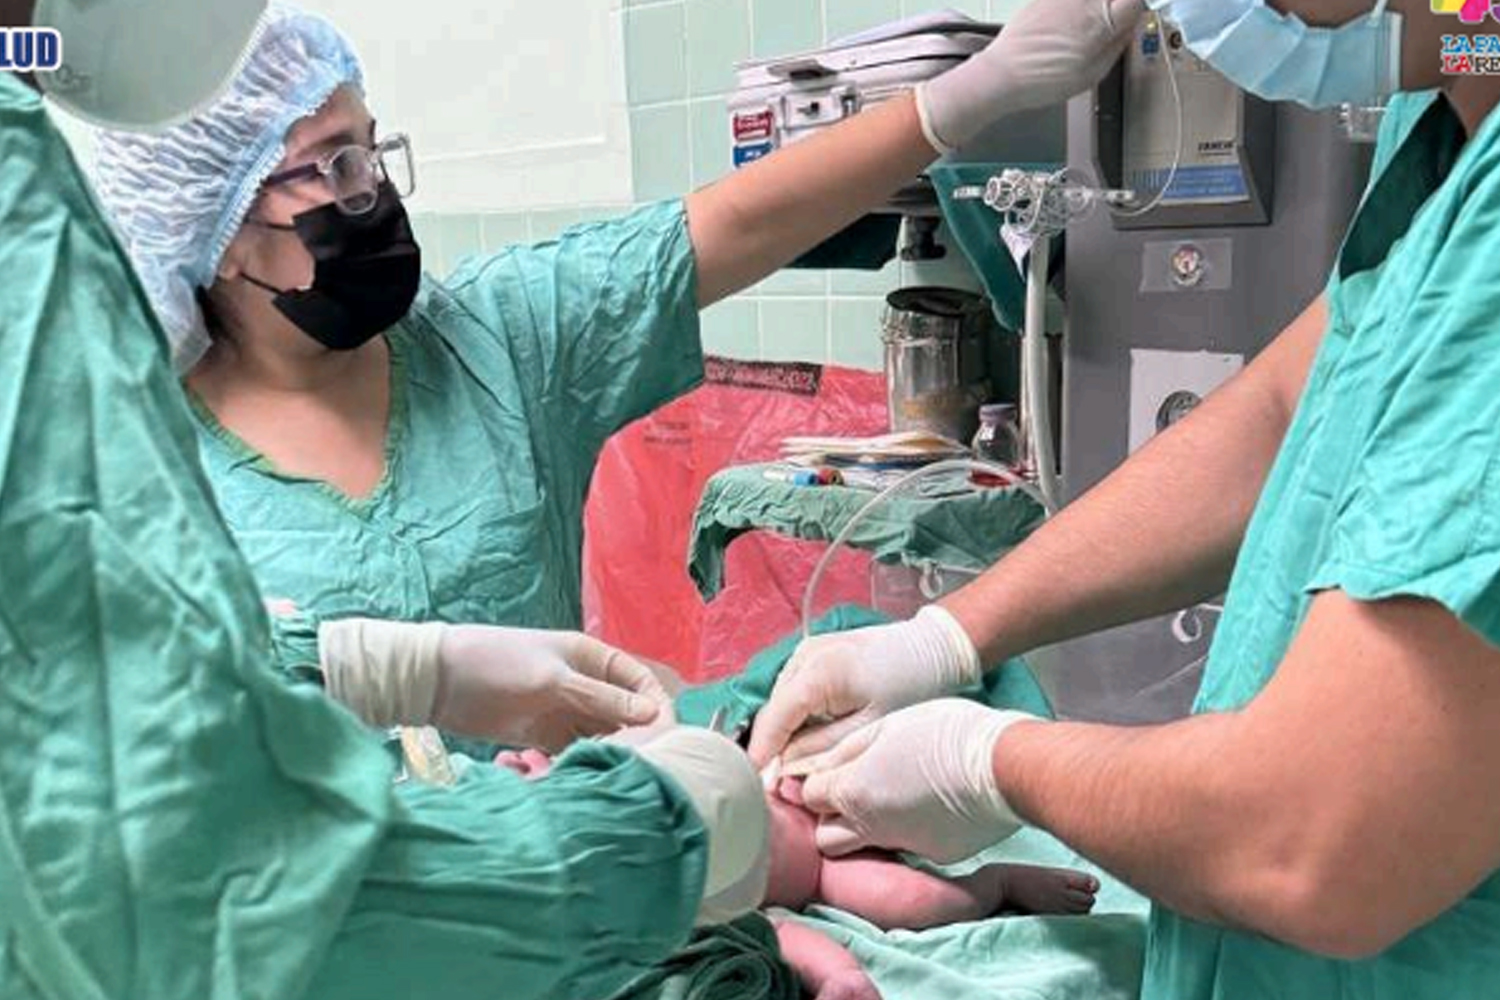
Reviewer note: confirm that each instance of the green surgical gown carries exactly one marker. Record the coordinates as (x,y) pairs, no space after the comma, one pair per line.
(176,820)
(1388,483)
(506,381)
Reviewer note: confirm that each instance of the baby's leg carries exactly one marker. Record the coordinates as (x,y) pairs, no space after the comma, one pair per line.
(826,970)
(891,895)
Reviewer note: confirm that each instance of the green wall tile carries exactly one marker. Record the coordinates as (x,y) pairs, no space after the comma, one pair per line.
(783,27)
(712,149)
(855,338)
(794,330)
(878,283)
(497,230)
(796,282)
(1004,10)
(660,152)
(974,8)
(732,329)
(549,223)
(656,54)
(449,240)
(718,36)
(845,17)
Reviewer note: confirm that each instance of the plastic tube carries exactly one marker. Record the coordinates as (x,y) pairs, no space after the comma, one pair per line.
(902,484)
(1036,410)
(1130,213)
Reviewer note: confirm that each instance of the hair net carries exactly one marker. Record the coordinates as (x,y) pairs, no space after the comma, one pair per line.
(178,197)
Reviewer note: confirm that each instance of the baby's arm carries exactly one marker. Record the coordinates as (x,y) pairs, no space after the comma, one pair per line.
(825,968)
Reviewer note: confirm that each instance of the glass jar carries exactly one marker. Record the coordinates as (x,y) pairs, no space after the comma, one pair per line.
(999,442)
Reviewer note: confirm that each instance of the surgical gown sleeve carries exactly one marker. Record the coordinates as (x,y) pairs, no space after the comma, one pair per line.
(177,821)
(585,886)
(602,322)
(1418,511)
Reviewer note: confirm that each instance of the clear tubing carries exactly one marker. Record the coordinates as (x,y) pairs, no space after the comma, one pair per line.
(904,483)
(1130,213)
(1036,419)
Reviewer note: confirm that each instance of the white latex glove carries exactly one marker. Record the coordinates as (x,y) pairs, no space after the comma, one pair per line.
(1050,51)
(520,686)
(727,794)
(835,684)
(920,780)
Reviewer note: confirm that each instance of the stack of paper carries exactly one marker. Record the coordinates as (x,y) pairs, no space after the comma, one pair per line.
(903,449)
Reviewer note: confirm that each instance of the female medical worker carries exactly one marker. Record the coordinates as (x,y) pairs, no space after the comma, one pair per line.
(392,449)
(1327,824)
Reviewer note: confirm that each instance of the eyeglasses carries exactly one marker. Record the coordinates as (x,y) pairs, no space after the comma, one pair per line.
(354,173)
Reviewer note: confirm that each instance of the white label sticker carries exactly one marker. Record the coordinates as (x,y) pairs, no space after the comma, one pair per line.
(1161,380)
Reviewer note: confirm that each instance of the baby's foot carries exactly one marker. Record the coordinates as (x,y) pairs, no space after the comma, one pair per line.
(850,985)
(1048,890)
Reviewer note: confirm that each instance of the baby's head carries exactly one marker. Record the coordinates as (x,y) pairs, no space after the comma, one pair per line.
(796,865)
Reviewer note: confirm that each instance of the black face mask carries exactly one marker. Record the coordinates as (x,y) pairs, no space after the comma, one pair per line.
(366,274)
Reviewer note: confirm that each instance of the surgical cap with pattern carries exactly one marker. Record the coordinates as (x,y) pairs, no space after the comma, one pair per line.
(178,197)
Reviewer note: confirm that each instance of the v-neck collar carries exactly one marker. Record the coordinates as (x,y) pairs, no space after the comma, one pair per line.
(1420,166)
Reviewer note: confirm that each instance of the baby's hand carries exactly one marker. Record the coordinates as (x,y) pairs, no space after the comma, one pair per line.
(532,765)
(790,790)
(850,985)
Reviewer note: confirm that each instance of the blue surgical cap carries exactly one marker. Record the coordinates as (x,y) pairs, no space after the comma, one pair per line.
(178,197)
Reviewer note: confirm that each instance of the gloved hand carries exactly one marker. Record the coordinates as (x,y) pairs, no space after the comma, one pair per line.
(727,794)
(920,780)
(1050,51)
(519,686)
(834,684)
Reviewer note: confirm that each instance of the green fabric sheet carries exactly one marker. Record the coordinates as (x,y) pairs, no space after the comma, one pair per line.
(963,532)
(739,961)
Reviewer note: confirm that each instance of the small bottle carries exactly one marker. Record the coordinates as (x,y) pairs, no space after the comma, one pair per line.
(998,442)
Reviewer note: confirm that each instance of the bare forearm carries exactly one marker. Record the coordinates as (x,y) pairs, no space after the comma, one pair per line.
(761,218)
(1154,806)
(1159,534)
(1307,814)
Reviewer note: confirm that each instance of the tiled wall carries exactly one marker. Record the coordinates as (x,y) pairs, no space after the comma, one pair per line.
(680,57)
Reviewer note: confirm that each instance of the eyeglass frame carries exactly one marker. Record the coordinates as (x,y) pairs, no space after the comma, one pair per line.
(323,166)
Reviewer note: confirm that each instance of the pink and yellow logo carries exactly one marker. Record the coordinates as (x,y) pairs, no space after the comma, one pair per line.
(1468,11)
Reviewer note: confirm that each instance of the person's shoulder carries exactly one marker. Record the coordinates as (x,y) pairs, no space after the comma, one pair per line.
(16,96)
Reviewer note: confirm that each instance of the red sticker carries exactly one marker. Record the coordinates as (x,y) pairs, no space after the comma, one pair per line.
(749,126)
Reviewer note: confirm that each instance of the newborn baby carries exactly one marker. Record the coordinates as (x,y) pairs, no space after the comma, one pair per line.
(873,885)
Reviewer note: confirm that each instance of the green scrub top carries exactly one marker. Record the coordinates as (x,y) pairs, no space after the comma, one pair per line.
(1387,485)
(506,382)
(177,821)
